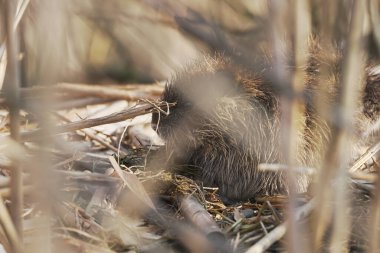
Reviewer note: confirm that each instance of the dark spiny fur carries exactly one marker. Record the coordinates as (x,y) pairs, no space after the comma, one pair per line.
(372,94)
(227,121)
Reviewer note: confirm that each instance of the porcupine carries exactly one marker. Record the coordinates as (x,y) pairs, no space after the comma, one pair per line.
(226,122)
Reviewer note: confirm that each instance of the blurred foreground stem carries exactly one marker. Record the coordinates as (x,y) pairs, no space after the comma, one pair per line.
(11,89)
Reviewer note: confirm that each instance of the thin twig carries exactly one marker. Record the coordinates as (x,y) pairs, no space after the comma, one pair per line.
(89,134)
(365,157)
(277,233)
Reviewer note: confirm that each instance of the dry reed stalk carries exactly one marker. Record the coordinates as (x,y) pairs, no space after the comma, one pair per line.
(9,228)
(375,20)
(200,218)
(5,182)
(352,76)
(11,90)
(336,161)
(90,134)
(295,110)
(81,102)
(6,192)
(321,217)
(50,40)
(4,241)
(197,215)
(365,157)
(20,10)
(326,18)
(292,107)
(128,92)
(373,231)
(113,118)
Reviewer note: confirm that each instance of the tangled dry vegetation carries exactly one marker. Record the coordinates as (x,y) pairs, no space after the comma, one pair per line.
(99,203)
(73,174)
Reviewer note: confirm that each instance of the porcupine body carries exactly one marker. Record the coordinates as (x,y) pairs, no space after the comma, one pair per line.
(226,122)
